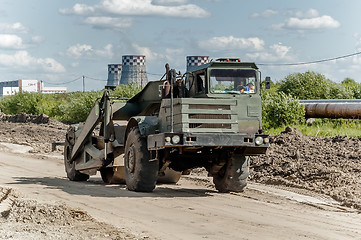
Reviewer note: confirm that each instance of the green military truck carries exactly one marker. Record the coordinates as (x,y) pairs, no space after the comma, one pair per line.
(209,117)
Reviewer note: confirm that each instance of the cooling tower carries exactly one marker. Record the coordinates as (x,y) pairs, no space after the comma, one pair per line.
(114,74)
(193,61)
(134,70)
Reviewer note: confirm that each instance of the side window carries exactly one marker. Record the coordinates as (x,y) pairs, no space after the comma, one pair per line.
(201,82)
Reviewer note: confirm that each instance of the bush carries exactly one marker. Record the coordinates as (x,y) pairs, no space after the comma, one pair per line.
(71,107)
(127,91)
(77,106)
(308,85)
(280,110)
(339,91)
(21,102)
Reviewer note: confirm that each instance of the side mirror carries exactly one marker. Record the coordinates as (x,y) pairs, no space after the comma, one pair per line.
(268,82)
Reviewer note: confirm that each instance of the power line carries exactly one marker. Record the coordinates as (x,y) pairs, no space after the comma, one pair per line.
(312,62)
(74,80)
(155,74)
(92,78)
(96,79)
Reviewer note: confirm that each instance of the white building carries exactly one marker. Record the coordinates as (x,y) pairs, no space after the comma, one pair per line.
(9,88)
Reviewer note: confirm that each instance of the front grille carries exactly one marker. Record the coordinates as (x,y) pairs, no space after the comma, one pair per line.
(211,107)
(209,116)
(210,125)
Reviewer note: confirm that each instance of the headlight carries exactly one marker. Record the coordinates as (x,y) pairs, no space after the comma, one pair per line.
(167,139)
(175,139)
(266,140)
(259,140)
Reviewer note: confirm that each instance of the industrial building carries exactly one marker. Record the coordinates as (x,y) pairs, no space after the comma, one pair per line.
(114,74)
(132,70)
(9,88)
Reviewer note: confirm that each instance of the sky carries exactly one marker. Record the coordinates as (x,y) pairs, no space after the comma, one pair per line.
(59,41)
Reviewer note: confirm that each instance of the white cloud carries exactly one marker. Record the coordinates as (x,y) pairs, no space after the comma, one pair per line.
(22,61)
(175,57)
(169,2)
(137,8)
(13,28)
(87,51)
(311,13)
(280,50)
(78,9)
(74,64)
(107,51)
(309,20)
(150,55)
(274,53)
(232,43)
(109,22)
(79,50)
(323,22)
(11,41)
(266,14)
(36,39)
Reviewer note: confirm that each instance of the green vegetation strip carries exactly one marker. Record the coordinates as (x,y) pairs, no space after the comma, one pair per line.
(280,106)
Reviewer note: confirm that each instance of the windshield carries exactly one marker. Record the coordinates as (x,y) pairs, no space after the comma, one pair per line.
(239,81)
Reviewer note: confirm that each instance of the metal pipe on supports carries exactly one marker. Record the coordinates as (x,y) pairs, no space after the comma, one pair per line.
(332,108)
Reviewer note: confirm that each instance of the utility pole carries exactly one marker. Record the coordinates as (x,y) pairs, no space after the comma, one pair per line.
(83,83)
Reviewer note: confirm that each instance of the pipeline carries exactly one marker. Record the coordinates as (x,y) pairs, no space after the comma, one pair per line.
(332,108)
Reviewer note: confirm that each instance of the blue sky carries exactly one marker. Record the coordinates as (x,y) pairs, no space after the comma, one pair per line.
(59,41)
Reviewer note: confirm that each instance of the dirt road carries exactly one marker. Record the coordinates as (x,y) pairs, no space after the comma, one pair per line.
(192,209)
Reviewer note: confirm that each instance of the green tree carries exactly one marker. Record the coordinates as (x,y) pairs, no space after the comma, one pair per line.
(21,102)
(127,90)
(339,91)
(308,85)
(349,82)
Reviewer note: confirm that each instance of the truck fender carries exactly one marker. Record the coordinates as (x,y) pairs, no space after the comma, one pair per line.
(147,125)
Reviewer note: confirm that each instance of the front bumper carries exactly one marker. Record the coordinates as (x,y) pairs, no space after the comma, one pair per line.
(237,140)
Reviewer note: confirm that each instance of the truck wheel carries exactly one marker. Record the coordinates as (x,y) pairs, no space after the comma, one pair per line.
(71,173)
(170,176)
(232,177)
(140,173)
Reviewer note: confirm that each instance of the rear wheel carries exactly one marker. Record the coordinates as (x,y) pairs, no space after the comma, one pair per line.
(140,173)
(71,173)
(232,177)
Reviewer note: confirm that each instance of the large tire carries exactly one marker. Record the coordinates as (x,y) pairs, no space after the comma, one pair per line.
(140,173)
(232,177)
(71,173)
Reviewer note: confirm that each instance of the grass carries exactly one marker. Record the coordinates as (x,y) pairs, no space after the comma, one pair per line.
(325,128)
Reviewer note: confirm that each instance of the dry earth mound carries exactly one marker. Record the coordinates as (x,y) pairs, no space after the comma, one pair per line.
(23,218)
(37,131)
(330,165)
